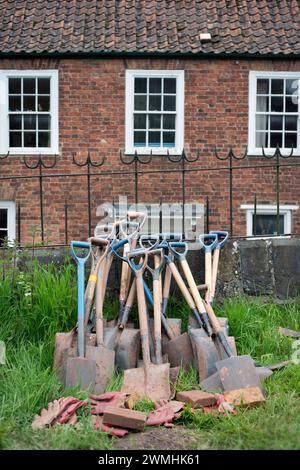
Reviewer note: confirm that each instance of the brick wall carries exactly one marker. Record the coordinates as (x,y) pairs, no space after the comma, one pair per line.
(91,114)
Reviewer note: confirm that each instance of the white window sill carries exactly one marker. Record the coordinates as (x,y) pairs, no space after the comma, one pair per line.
(268,237)
(270,151)
(31,152)
(153,151)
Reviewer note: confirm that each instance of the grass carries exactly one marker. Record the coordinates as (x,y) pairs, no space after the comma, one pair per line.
(41,301)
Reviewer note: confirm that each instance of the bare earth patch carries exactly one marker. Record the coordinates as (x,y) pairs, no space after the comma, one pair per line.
(160,438)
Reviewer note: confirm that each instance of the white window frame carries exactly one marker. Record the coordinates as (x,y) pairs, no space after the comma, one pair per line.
(129,110)
(267,209)
(4,115)
(253,76)
(11,219)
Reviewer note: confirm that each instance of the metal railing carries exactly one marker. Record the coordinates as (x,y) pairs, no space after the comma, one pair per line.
(137,165)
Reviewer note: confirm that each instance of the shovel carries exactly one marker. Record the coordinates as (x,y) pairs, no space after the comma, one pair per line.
(80,370)
(98,257)
(128,343)
(181,258)
(208,242)
(159,264)
(178,348)
(222,238)
(150,380)
(239,371)
(103,357)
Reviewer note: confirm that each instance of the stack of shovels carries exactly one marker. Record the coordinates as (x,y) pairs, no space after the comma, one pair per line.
(151,352)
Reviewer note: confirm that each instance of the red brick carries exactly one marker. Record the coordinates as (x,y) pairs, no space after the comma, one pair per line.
(125,418)
(196,398)
(245,396)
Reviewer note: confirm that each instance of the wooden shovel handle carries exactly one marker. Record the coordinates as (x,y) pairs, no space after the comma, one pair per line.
(157,299)
(192,285)
(180,283)
(208,274)
(99,305)
(215,265)
(124,274)
(143,319)
(213,319)
(128,305)
(167,282)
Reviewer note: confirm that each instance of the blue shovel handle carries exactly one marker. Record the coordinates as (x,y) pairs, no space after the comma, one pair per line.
(80,290)
(222,238)
(208,241)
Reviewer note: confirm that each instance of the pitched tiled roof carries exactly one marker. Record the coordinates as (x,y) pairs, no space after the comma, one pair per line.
(165,26)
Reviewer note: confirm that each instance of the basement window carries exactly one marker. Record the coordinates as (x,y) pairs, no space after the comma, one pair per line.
(29,117)
(266,220)
(7,221)
(273,112)
(154,111)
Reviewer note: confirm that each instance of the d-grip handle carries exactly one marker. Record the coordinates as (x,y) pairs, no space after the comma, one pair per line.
(152,240)
(179,255)
(141,265)
(222,237)
(208,241)
(98,241)
(116,245)
(157,270)
(82,245)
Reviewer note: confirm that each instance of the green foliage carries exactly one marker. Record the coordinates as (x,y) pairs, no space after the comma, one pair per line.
(145,404)
(41,300)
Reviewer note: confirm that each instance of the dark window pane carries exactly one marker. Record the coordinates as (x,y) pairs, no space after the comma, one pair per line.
(29,103)
(29,121)
(139,139)
(277,104)
(277,86)
(15,103)
(140,85)
(291,86)
(29,85)
(3,218)
(262,122)
(155,85)
(276,122)
(169,121)
(266,224)
(154,102)
(15,139)
(44,85)
(15,121)
(262,103)
(169,103)
(3,235)
(154,139)
(169,139)
(291,123)
(276,139)
(262,86)
(44,139)
(140,103)
(44,121)
(154,121)
(29,139)
(170,85)
(291,104)
(14,85)
(290,140)
(43,103)
(140,121)
(261,139)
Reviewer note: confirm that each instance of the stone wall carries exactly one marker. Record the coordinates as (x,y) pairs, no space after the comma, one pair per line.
(247,267)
